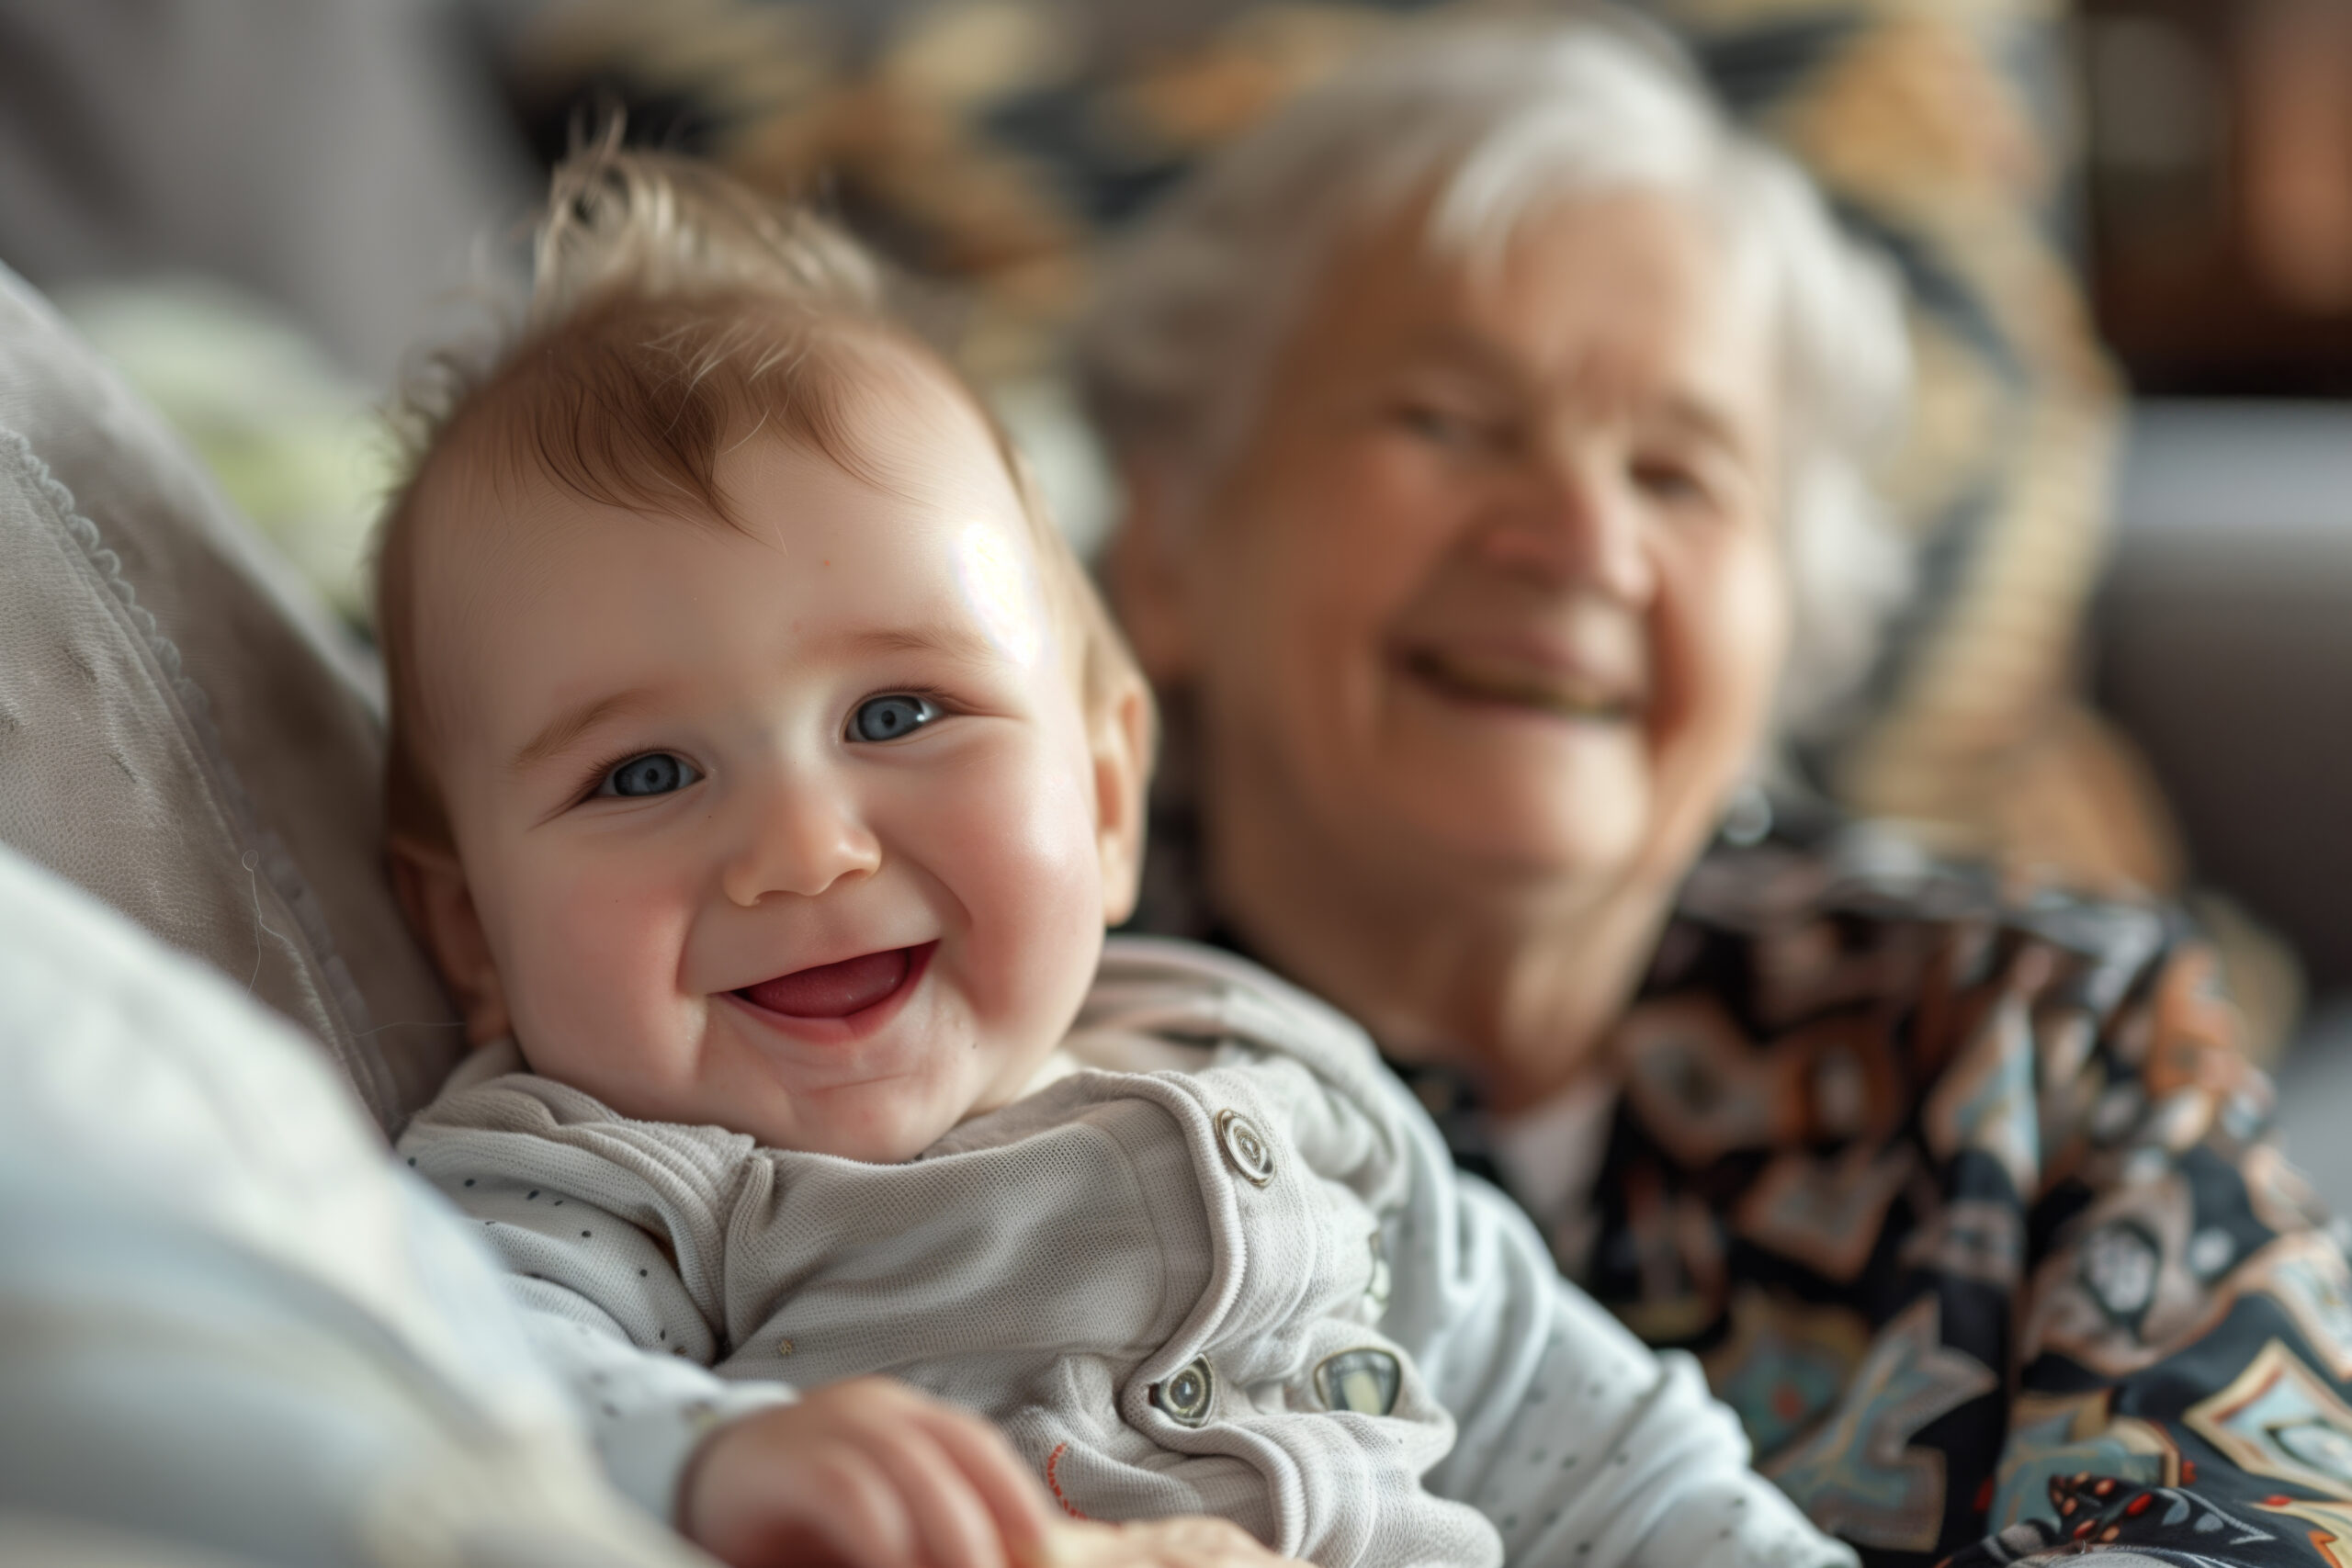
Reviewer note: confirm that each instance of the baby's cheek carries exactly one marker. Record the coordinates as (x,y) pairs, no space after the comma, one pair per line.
(600,1001)
(1037,898)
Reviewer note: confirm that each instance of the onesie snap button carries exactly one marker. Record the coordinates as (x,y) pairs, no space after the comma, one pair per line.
(1186,1396)
(1246,1147)
(1365,1382)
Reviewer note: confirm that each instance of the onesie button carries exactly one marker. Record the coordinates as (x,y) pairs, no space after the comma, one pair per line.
(1186,1396)
(1363,1381)
(1246,1147)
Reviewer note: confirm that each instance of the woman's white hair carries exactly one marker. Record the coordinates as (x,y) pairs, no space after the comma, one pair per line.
(1491,125)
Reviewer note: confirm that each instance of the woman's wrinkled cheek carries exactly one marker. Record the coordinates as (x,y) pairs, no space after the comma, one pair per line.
(1724,627)
(1305,583)
(1756,642)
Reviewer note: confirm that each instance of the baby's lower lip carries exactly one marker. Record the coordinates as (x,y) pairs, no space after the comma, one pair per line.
(841,990)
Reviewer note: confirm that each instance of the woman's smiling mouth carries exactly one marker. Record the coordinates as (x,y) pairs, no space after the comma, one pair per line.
(1518,683)
(842,992)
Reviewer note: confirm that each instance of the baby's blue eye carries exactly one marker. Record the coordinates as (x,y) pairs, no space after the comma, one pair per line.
(890,717)
(656,772)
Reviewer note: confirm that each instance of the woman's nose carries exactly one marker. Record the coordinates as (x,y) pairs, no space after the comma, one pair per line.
(1576,526)
(801,836)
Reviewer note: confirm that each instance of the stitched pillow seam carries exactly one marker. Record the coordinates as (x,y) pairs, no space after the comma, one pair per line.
(337,994)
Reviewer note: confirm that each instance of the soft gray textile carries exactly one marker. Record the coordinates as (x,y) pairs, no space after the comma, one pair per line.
(342,158)
(180,732)
(1051,1263)
(236,1333)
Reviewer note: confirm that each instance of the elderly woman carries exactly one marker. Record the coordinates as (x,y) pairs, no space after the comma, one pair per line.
(1495,423)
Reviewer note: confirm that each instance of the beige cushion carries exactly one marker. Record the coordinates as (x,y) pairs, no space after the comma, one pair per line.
(182,731)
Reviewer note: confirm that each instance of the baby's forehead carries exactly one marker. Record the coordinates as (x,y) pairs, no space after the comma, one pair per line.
(497,521)
(501,484)
(915,422)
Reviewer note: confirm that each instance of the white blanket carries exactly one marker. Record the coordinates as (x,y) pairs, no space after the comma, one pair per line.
(234,1329)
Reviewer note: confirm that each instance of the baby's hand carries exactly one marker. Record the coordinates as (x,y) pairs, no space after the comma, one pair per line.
(1185,1542)
(864,1475)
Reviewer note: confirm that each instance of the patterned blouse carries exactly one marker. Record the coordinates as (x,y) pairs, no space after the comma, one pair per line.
(1960,1195)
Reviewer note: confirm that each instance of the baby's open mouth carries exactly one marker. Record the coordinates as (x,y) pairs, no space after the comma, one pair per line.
(837,990)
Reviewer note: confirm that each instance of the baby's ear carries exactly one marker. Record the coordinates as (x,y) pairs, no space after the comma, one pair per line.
(1122,746)
(440,909)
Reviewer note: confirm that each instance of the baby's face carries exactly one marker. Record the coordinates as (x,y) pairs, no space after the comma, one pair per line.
(791,828)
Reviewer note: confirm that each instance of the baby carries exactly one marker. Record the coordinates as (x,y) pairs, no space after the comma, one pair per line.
(765,774)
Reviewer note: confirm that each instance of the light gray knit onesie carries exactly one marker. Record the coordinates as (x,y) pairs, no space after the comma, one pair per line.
(1254,1286)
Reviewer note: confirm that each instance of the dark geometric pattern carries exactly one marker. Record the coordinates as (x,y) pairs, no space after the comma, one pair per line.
(2101,1312)
(2092,1273)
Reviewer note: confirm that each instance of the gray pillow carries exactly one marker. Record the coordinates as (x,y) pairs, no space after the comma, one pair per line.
(182,730)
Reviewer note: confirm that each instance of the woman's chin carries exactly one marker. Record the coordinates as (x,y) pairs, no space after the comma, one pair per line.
(1499,832)
(1519,805)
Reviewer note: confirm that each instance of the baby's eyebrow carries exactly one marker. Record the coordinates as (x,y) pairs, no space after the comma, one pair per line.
(573,722)
(951,639)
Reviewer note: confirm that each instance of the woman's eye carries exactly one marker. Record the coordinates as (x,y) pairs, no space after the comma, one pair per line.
(656,772)
(891,717)
(1453,429)
(1673,482)
(1439,426)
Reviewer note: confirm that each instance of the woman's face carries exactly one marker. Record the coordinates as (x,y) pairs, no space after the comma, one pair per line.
(1493,591)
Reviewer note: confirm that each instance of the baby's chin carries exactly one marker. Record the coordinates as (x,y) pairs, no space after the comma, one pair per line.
(895,1146)
(892,1118)
(913,1099)
(875,1124)
(869,1124)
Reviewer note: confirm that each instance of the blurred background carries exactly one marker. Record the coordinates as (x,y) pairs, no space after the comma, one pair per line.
(2126,226)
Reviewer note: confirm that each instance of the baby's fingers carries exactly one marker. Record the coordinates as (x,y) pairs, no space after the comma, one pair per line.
(953,1523)
(1011,1495)
(1201,1542)
(1185,1542)
(849,1503)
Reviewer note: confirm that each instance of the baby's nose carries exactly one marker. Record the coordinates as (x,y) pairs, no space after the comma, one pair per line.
(803,840)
